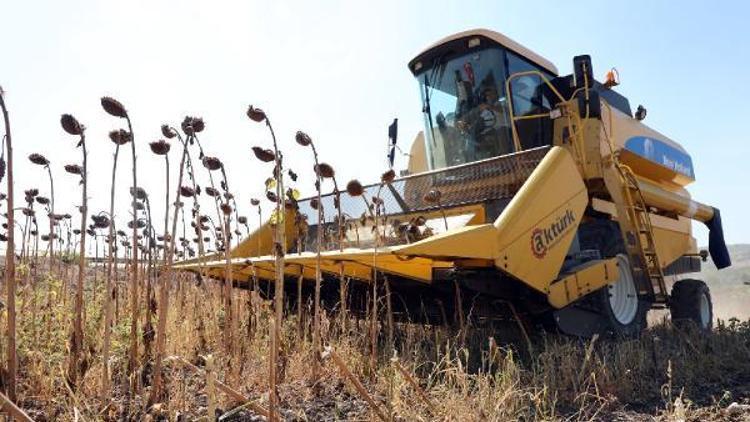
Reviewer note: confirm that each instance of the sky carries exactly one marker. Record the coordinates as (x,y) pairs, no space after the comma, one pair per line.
(337,70)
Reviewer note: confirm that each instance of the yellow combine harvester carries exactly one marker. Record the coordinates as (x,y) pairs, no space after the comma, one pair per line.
(529,194)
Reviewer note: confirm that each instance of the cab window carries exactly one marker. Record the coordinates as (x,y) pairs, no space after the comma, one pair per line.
(529,98)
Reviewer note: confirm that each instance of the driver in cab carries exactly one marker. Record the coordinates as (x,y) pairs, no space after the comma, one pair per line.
(488,123)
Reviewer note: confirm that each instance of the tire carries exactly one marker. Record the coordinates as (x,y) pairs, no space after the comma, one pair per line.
(622,311)
(602,313)
(691,305)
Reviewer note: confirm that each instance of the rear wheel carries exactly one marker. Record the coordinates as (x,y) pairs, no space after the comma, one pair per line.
(691,304)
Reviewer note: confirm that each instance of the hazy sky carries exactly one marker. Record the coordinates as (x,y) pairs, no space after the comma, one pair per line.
(338,71)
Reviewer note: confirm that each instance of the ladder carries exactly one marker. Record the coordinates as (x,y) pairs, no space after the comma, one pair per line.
(643,246)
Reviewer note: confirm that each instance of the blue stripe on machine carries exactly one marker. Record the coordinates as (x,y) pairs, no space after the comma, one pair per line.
(661,153)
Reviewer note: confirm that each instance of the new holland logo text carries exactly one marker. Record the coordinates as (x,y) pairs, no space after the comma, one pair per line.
(543,239)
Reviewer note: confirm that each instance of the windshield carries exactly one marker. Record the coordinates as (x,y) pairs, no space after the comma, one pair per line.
(465,108)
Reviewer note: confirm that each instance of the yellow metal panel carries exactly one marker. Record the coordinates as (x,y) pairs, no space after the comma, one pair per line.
(624,127)
(478,242)
(671,201)
(418,155)
(587,279)
(357,263)
(260,242)
(670,245)
(536,228)
(195,261)
(672,236)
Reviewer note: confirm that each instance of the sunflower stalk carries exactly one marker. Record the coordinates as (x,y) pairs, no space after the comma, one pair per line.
(279,221)
(111,290)
(167,274)
(10,263)
(304,140)
(76,347)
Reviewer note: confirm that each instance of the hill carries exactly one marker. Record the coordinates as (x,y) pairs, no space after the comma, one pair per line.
(730,287)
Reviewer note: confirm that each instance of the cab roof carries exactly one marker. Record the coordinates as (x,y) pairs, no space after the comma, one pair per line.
(493,36)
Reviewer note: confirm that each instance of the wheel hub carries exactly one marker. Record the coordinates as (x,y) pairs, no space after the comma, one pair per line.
(705,311)
(623,297)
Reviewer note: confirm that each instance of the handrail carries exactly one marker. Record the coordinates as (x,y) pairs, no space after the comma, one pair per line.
(577,143)
(513,118)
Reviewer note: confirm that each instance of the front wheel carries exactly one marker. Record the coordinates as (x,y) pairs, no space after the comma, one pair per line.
(691,304)
(615,310)
(624,311)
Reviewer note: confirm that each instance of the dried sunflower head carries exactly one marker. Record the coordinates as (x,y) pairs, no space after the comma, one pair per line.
(212,192)
(242,219)
(120,136)
(226,208)
(354,188)
(139,223)
(138,193)
(256,114)
(388,176)
(254,202)
(101,221)
(265,155)
(198,124)
(324,170)
(168,132)
(302,138)
(160,147)
(38,159)
(70,124)
(187,125)
(113,107)
(74,169)
(211,163)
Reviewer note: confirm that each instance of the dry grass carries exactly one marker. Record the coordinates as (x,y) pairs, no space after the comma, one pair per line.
(562,378)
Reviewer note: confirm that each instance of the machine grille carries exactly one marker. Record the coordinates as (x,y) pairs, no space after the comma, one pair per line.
(479,182)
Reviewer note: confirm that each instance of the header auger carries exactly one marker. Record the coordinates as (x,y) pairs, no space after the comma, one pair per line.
(528,191)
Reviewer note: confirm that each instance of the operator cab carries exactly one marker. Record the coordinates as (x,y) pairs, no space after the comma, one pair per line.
(462,82)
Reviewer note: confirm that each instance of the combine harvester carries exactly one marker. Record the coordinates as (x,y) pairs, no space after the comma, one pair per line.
(530,195)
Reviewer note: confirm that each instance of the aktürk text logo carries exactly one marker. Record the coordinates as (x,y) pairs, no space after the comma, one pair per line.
(543,239)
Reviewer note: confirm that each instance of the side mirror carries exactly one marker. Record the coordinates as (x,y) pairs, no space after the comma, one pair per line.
(583,73)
